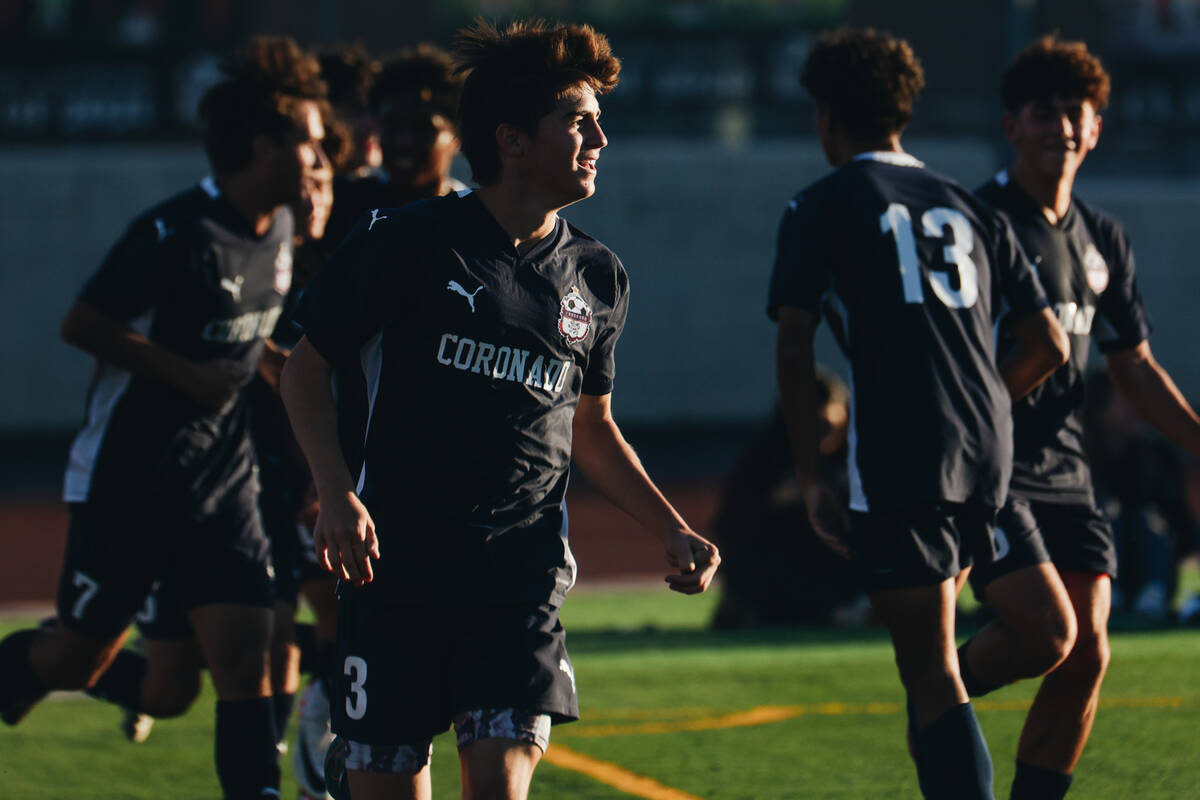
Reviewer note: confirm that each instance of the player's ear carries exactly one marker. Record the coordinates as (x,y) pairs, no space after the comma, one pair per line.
(1095,137)
(511,140)
(1008,124)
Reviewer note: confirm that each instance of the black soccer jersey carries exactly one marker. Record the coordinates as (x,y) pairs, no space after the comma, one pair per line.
(475,357)
(191,275)
(912,266)
(1086,266)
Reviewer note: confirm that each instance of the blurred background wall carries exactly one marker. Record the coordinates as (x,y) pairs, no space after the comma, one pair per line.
(710,136)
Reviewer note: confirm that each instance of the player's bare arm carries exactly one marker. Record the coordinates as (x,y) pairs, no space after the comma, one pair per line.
(796,371)
(610,464)
(270,366)
(211,383)
(1148,387)
(344,535)
(1042,346)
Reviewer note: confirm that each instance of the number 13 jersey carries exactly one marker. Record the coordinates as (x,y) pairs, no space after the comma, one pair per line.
(911,271)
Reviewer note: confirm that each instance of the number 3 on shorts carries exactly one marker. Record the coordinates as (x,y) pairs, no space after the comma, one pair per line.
(356,700)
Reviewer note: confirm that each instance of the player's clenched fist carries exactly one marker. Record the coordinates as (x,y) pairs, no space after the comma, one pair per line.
(344,538)
(695,557)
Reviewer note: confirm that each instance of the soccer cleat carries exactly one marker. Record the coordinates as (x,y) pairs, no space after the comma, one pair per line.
(136,726)
(313,739)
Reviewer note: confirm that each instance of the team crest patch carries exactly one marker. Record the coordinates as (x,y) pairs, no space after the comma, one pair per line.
(574,317)
(1095,269)
(283,268)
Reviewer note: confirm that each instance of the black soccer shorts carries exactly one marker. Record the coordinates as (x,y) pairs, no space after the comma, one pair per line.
(920,546)
(116,560)
(1076,536)
(407,671)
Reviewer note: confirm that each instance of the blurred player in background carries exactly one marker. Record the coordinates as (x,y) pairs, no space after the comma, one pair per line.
(414,101)
(486,324)
(161,480)
(352,140)
(914,269)
(1053,94)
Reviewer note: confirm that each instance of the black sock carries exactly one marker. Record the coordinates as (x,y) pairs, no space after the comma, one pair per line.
(304,636)
(20,687)
(952,758)
(247,761)
(121,683)
(1039,783)
(975,688)
(282,704)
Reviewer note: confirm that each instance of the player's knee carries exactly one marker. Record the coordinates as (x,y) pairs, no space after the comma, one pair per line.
(240,672)
(173,700)
(1088,660)
(1054,645)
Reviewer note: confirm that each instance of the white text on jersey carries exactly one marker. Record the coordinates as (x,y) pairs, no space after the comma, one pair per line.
(246,328)
(502,363)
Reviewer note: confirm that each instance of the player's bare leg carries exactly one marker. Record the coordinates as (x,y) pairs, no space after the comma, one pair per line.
(390,785)
(948,747)
(497,769)
(1032,633)
(235,640)
(63,659)
(1060,720)
(173,676)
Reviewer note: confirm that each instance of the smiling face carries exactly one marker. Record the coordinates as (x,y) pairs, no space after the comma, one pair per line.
(292,162)
(417,142)
(1052,137)
(560,159)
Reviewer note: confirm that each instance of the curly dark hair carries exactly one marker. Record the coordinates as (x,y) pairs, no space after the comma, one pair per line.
(425,74)
(1051,67)
(350,71)
(868,79)
(262,93)
(517,75)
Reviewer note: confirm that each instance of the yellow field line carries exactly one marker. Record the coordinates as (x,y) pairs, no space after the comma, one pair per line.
(613,775)
(765,715)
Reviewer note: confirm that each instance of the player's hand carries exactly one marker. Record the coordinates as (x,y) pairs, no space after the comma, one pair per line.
(828,518)
(344,538)
(213,384)
(695,557)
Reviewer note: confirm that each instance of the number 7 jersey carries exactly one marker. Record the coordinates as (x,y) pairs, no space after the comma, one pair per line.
(912,272)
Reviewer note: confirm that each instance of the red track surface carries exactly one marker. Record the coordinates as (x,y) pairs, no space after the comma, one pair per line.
(607,544)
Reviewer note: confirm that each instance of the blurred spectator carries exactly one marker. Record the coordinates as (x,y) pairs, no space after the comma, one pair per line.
(1140,485)
(777,572)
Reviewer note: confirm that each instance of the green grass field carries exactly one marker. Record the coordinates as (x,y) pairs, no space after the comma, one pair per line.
(730,716)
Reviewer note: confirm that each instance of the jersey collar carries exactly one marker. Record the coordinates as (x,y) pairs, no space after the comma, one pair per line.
(890,157)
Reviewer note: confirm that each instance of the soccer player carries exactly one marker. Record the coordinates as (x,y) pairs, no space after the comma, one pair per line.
(487,325)
(1053,94)
(911,270)
(161,479)
(414,100)
(352,140)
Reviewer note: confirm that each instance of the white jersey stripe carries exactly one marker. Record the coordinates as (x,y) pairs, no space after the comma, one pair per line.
(110,387)
(371,357)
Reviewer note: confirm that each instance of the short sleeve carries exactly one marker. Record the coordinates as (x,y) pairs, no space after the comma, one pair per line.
(125,285)
(601,369)
(350,300)
(801,275)
(1122,321)
(1016,278)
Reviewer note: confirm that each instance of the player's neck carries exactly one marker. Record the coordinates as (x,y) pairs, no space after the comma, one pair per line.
(244,196)
(523,219)
(848,149)
(1052,193)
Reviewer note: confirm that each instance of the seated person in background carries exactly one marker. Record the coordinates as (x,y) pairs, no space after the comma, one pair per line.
(780,572)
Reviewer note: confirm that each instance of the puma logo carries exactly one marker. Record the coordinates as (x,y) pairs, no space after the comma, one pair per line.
(456,287)
(163,230)
(234,287)
(375,217)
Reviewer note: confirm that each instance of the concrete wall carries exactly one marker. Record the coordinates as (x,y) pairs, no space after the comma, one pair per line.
(694,223)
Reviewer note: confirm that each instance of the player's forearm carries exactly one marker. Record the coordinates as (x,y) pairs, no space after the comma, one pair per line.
(308,398)
(611,465)
(1148,388)
(1042,346)
(114,343)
